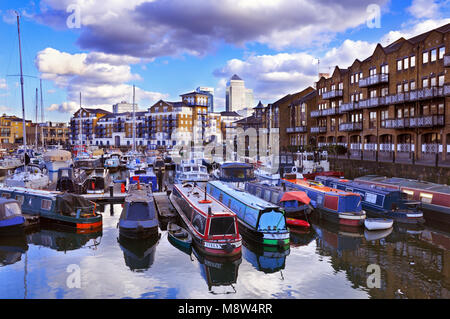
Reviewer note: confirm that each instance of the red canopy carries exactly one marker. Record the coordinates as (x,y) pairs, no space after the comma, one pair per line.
(299,196)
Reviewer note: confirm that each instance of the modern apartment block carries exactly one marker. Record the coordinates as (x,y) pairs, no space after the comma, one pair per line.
(394,105)
(237,96)
(164,125)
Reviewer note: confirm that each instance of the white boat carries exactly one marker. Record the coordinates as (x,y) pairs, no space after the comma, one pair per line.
(191,171)
(56,159)
(378,223)
(112,162)
(31,177)
(309,162)
(8,165)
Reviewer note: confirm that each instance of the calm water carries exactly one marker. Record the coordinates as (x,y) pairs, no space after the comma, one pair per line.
(327,262)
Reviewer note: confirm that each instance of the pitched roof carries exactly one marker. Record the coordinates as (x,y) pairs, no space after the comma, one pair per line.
(235,77)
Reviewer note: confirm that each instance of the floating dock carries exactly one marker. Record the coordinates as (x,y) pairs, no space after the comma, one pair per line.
(114,195)
(164,206)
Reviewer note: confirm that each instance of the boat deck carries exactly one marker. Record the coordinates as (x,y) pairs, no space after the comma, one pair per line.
(117,196)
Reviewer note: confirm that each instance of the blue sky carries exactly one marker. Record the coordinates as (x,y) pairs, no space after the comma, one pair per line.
(167,48)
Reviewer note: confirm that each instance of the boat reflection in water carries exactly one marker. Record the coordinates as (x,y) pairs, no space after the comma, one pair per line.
(414,263)
(62,239)
(265,258)
(301,236)
(220,274)
(139,255)
(12,249)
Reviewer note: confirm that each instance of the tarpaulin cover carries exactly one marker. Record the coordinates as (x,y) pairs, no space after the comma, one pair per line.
(70,203)
(299,196)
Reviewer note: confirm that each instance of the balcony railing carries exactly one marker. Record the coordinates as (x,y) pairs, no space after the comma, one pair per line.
(316,113)
(347,107)
(331,111)
(332,94)
(297,129)
(372,102)
(412,122)
(374,80)
(318,129)
(348,127)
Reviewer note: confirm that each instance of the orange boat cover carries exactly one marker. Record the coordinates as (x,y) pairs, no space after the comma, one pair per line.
(299,196)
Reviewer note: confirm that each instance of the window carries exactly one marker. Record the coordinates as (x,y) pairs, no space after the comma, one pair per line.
(441,108)
(433,55)
(399,88)
(441,80)
(46,204)
(399,65)
(412,85)
(385,69)
(373,71)
(384,91)
(20,199)
(406,63)
(352,79)
(425,57)
(406,87)
(413,61)
(12,209)
(433,81)
(372,119)
(425,83)
(441,52)
(6,195)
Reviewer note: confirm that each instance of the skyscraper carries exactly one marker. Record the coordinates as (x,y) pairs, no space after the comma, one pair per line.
(237,96)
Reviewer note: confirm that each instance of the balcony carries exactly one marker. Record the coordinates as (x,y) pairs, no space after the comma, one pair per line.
(318,129)
(332,94)
(425,121)
(316,113)
(348,127)
(331,111)
(372,102)
(374,80)
(393,123)
(347,107)
(297,129)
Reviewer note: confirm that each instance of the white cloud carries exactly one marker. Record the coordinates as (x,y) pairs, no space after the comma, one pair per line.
(3,84)
(426,8)
(101,78)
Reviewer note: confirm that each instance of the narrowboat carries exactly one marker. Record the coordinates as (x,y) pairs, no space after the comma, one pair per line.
(11,218)
(55,207)
(435,198)
(293,202)
(98,181)
(139,219)
(259,220)
(380,201)
(214,227)
(144,176)
(332,204)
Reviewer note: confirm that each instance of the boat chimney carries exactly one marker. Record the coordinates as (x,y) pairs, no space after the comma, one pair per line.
(284,187)
(209,210)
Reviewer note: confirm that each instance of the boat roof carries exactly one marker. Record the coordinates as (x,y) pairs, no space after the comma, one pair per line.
(31,191)
(320,187)
(195,195)
(235,165)
(379,189)
(404,182)
(242,196)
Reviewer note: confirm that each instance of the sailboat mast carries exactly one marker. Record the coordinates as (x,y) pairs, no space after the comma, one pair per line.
(36,125)
(81,126)
(42,114)
(21,86)
(134,122)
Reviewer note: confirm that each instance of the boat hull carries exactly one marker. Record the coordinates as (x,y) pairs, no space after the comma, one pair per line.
(378,223)
(207,247)
(81,226)
(138,232)
(342,218)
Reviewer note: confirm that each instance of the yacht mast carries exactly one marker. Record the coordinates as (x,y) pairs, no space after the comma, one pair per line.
(134,122)
(36,125)
(80,135)
(42,115)
(21,86)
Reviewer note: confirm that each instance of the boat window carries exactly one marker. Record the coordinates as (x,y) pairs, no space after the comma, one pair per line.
(258,192)
(267,195)
(12,209)
(199,223)
(20,199)
(408,194)
(229,203)
(371,198)
(274,197)
(203,169)
(222,226)
(273,219)
(46,204)
(187,169)
(221,197)
(139,211)
(6,195)
(426,198)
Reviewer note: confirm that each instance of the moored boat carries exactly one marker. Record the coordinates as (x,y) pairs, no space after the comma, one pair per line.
(191,171)
(56,159)
(378,223)
(213,226)
(435,198)
(335,205)
(179,237)
(144,176)
(11,218)
(139,219)
(259,220)
(58,208)
(28,176)
(379,201)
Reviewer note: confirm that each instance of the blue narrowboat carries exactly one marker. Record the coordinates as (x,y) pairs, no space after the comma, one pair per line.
(278,195)
(144,176)
(259,220)
(380,201)
(63,209)
(332,204)
(11,218)
(139,219)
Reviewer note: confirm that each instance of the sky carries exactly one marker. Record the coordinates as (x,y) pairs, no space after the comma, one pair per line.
(170,47)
